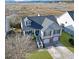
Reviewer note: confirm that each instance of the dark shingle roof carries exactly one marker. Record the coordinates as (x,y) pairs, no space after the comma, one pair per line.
(39,22)
(53,26)
(71,13)
(37,19)
(34,25)
(40,19)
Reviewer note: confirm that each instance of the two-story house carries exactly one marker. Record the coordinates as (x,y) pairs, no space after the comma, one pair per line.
(45,27)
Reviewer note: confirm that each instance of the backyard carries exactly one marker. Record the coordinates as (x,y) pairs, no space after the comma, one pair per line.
(64,39)
(40,55)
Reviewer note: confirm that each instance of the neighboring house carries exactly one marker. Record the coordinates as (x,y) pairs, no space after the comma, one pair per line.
(11,19)
(8,19)
(45,28)
(67,19)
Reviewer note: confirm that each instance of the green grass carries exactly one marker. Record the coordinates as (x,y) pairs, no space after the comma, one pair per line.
(64,39)
(40,55)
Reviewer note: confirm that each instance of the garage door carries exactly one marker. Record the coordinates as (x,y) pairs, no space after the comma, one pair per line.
(55,39)
(46,41)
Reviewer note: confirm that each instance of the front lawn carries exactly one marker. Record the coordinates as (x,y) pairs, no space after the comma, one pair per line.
(64,39)
(40,55)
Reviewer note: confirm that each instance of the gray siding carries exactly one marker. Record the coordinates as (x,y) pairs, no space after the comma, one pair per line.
(69,31)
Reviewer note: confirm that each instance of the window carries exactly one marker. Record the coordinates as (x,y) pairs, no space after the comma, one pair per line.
(56,31)
(47,33)
(37,32)
(66,22)
(28,23)
(28,32)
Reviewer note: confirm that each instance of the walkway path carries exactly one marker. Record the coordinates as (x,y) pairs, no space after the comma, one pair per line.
(60,52)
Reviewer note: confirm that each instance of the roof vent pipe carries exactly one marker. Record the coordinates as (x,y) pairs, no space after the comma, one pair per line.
(38,14)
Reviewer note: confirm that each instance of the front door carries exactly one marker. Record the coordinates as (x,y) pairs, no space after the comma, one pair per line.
(37,32)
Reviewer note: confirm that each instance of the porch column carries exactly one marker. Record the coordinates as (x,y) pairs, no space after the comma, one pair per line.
(60,31)
(52,33)
(24,33)
(34,32)
(21,25)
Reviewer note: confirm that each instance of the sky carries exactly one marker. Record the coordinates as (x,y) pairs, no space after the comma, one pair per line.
(28,0)
(35,0)
(38,0)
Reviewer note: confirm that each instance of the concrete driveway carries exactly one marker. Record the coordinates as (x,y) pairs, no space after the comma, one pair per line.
(60,52)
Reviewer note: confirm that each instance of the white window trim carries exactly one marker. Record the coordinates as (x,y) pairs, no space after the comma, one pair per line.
(28,23)
(47,35)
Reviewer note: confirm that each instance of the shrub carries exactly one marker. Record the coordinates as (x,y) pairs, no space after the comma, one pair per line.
(18,25)
(71,41)
(33,37)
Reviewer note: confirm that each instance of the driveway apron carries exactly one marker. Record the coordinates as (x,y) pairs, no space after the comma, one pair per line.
(60,52)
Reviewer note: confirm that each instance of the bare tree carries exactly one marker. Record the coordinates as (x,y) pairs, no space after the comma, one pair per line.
(17,47)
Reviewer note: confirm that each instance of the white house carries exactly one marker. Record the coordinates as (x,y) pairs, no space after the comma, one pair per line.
(67,19)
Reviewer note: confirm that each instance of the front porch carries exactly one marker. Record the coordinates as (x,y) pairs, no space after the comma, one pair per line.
(31,32)
(36,33)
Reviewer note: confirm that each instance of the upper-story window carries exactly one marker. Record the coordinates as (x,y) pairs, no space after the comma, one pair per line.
(47,33)
(56,32)
(28,23)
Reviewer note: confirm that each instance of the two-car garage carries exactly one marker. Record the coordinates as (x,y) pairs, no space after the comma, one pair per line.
(46,41)
(55,39)
(50,40)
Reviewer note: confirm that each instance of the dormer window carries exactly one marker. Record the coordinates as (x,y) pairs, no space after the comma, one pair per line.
(28,23)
